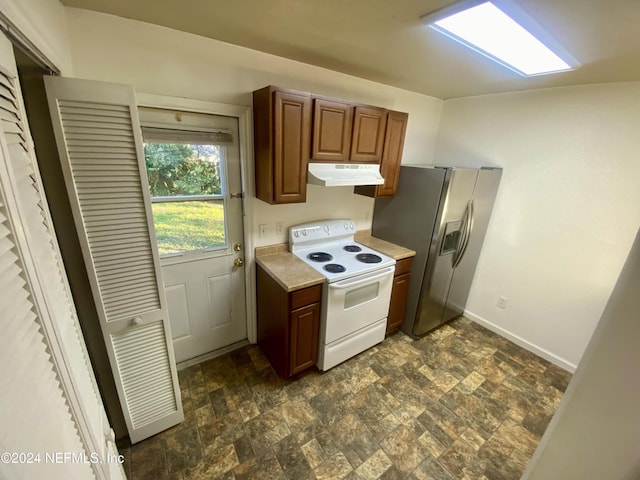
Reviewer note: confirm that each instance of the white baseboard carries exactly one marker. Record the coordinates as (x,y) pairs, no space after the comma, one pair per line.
(541,352)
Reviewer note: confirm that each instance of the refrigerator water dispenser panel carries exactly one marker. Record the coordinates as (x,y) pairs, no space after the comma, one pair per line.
(451,237)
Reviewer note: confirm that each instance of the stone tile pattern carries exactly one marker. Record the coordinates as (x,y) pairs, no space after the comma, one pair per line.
(460,403)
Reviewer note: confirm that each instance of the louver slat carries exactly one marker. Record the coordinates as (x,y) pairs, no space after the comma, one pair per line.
(113,216)
(119,300)
(116,239)
(156,400)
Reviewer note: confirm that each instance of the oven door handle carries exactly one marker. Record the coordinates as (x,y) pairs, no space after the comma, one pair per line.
(361,279)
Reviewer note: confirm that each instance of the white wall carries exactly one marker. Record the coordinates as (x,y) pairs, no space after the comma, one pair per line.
(167,62)
(594,433)
(44,23)
(567,210)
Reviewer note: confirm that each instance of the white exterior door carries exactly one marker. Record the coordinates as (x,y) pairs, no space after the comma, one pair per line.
(193,166)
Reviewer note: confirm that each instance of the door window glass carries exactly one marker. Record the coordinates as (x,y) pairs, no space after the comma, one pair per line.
(188,186)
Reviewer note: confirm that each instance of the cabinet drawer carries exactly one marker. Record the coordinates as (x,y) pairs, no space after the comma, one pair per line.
(403,266)
(306,296)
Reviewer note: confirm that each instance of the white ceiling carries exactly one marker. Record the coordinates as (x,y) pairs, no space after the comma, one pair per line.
(385,41)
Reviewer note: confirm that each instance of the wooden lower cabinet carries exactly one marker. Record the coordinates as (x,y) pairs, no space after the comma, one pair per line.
(303,347)
(399,295)
(288,324)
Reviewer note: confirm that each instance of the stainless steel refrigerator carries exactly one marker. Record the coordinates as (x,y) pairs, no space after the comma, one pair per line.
(442,213)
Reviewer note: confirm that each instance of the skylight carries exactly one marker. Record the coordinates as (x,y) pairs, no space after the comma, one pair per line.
(487,29)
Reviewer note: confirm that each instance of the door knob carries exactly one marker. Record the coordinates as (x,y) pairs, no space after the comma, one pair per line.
(238,262)
(237,247)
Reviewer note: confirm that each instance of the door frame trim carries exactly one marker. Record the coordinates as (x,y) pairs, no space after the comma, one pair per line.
(245,129)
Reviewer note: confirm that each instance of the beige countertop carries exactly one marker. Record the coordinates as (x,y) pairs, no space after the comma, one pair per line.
(390,249)
(292,273)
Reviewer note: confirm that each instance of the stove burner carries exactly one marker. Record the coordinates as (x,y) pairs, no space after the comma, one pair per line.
(319,257)
(352,248)
(368,258)
(334,268)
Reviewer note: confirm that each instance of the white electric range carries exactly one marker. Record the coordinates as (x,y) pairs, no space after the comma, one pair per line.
(355,297)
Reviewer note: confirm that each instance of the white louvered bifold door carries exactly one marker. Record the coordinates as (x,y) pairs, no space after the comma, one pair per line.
(34,413)
(98,135)
(50,401)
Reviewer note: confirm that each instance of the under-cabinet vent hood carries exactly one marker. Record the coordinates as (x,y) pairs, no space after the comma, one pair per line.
(344,174)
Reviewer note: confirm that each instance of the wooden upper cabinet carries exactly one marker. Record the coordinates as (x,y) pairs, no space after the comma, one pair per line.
(332,126)
(391,157)
(392,153)
(369,125)
(281,127)
(285,139)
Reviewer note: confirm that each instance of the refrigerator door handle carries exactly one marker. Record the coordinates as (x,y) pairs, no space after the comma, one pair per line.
(466,234)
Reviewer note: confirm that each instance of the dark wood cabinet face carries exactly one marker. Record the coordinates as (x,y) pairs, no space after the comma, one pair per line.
(332,126)
(292,116)
(391,157)
(288,324)
(397,307)
(399,294)
(369,125)
(392,153)
(281,132)
(305,325)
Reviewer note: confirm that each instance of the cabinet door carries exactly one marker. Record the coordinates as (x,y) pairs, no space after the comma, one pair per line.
(391,157)
(292,124)
(392,153)
(305,323)
(332,124)
(398,303)
(369,124)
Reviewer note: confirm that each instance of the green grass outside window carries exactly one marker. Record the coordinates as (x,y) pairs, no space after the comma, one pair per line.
(182,226)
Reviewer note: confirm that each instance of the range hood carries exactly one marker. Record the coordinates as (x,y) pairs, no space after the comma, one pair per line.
(344,174)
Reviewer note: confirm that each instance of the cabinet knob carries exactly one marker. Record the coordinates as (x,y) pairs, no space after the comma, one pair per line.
(136,321)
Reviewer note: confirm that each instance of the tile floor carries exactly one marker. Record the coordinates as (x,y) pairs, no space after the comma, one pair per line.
(461,403)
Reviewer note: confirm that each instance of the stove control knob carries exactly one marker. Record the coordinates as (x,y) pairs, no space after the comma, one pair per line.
(346,226)
(327,229)
(296,234)
(351,225)
(304,233)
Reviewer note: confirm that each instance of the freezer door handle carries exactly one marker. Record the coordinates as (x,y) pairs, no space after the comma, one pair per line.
(467,227)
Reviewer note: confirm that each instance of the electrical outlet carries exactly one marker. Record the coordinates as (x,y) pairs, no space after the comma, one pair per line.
(279,227)
(262,230)
(502,302)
